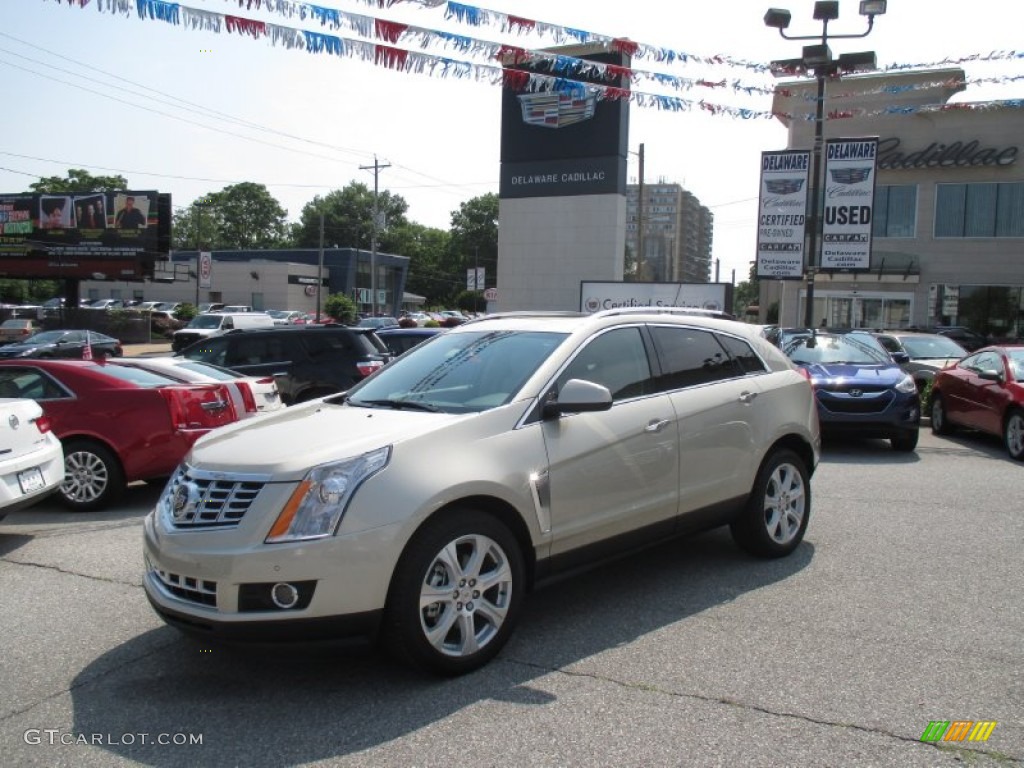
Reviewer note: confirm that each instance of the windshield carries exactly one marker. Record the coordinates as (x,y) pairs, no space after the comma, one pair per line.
(206,321)
(935,347)
(836,348)
(459,373)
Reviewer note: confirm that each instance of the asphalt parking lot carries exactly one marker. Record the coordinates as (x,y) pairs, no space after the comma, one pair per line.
(903,606)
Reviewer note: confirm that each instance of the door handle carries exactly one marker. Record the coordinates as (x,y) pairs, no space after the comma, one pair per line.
(748,397)
(656,425)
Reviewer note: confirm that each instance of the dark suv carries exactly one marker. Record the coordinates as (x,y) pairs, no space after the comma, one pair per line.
(307,362)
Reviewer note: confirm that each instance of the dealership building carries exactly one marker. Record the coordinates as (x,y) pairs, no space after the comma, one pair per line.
(948,215)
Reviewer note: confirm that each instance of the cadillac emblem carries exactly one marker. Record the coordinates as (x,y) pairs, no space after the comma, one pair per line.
(184,502)
(13,421)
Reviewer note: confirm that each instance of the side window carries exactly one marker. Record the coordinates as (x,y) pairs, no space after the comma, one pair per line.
(890,344)
(690,357)
(987,361)
(29,383)
(210,351)
(743,354)
(617,360)
(320,346)
(255,350)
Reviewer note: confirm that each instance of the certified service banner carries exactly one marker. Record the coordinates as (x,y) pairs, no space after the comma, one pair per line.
(849,203)
(782,214)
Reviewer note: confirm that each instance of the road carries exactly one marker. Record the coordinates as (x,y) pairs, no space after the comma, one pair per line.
(903,606)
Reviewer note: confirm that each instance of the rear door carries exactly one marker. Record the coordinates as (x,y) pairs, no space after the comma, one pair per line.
(716,406)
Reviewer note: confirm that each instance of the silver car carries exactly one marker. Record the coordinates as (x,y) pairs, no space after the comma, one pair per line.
(423,504)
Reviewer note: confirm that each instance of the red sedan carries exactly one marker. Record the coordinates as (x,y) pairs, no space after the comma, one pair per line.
(117,424)
(984,391)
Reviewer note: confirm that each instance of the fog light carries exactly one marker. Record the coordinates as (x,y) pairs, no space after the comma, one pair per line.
(284,595)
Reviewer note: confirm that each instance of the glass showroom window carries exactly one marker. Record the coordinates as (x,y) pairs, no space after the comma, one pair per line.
(979,210)
(895,211)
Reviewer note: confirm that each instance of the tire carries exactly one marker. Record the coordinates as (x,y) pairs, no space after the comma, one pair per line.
(906,442)
(93,478)
(775,518)
(1013,434)
(486,550)
(940,421)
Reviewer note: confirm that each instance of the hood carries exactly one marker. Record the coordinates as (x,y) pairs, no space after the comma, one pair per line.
(288,442)
(17,350)
(880,374)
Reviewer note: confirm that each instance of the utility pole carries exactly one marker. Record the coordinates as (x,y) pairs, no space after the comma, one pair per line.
(320,267)
(640,220)
(376,167)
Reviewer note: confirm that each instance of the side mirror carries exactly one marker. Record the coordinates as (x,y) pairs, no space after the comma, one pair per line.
(900,358)
(990,374)
(577,396)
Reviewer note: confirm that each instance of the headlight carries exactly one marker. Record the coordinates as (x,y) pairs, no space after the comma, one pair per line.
(316,506)
(906,384)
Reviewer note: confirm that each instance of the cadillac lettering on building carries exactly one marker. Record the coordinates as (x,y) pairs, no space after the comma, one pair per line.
(935,155)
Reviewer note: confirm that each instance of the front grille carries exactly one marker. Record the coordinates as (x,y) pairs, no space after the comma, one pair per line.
(199,591)
(195,499)
(845,403)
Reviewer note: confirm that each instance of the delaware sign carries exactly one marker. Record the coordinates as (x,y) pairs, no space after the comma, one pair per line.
(849,203)
(782,214)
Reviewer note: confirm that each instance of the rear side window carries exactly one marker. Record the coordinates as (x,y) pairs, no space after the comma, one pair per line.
(328,346)
(690,357)
(255,350)
(743,354)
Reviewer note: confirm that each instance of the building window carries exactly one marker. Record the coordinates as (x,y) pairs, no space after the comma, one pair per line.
(895,211)
(979,210)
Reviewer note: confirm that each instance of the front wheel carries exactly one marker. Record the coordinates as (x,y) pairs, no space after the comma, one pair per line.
(775,518)
(1013,434)
(455,594)
(93,478)
(905,442)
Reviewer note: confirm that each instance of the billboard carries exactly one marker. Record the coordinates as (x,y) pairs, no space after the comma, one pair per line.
(81,235)
(782,214)
(849,203)
(598,295)
(566,141)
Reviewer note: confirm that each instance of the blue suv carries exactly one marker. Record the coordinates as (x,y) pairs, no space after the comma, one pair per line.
(859,388)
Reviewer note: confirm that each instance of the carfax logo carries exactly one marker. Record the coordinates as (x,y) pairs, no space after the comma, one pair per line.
(958,730)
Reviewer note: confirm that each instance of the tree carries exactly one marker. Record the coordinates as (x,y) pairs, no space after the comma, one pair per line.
(240,216)
(747,293)
(341,308)
(433,270)
(348,219)
(475,235)
(79,180)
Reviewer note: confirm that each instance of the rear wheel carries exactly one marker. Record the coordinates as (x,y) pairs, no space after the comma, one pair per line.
(456,593)
(940,422)
(1013,434)
(93,478)
(775,517)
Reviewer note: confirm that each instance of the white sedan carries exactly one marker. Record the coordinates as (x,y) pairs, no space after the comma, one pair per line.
(251,394)
(31,456)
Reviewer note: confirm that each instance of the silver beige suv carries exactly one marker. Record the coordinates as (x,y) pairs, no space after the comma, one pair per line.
(423,504)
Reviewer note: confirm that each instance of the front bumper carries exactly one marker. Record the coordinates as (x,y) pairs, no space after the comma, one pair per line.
(219,582)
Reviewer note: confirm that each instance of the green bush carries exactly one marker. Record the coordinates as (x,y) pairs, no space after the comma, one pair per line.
(341,308)
(431,323)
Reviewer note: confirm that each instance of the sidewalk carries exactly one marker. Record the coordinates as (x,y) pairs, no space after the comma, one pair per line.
(149,350)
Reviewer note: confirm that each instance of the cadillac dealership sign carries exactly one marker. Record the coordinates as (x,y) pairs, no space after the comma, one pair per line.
(782,214)
(849,203)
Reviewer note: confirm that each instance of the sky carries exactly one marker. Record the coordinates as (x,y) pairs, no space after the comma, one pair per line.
(190,111)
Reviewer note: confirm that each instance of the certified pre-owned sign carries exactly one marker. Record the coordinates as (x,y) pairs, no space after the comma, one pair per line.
(595,296)
(782,219)
(849,203)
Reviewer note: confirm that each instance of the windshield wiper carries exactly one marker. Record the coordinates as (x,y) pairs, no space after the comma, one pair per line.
(399,404)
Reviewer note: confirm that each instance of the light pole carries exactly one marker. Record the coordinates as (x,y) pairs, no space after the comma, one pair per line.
(640,216)
(818,59)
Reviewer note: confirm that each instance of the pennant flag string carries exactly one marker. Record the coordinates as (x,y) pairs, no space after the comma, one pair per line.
(421,63)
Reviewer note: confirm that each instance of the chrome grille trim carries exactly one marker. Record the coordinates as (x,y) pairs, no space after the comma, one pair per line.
(192,590)
(216,499)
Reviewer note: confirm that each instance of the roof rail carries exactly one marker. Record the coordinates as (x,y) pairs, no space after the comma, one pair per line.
(691,311)
(528,314)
